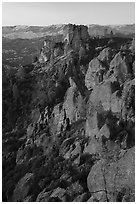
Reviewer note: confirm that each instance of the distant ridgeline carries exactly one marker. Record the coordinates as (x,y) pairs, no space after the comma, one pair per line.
(21,44)
(95,30)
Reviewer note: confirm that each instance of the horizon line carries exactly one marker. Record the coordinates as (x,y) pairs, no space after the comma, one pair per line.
(67,24)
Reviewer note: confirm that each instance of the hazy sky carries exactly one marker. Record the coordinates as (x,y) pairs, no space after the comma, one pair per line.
(44,13)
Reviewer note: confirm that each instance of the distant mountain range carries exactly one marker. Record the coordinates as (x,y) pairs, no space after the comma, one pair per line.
(30,32)
(112,30)
(21,44)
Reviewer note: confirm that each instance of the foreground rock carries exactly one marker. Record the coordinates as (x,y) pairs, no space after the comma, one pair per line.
(114,181)
(22,189)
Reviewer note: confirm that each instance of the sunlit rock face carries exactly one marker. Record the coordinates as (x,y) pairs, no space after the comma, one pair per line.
(107,107)
(113,181)
(71,110)
(51,49)
(75,37)
(120,66)
(109,63)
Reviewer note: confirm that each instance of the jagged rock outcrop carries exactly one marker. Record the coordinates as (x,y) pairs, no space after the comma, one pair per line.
(70,111)
(106,110)
(120,67)
(75,38)
(102,103)
(52,48)
(60,194)
(115,180)
(98,67)
(22,189)
(106,55)
(78,112)
(109,63)
(91,78)
(82,198)
(128,106)
(132,47)
(43,196)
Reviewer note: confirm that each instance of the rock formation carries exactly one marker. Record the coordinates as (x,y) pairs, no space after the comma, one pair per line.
(74,122)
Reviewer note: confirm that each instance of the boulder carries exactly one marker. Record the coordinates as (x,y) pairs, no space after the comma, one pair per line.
(74,103)
(65,146)
(58,116)
(21,191)
(70,111)
(121,68)
(115,179)
(44,141)
(100,98)
(121,176)
(98,197)
(106,55)
(132,47)
(43,196)
(59,193)
(95,180)
(82,198)
(104,131)
(98,68)
(91,199)
(76,152)
(35,116)
(103,112)
(92,78)
(72,148)
(66,177)
(74,189)
(30,131)
(128,99)
(20,157)
(77,149)
(116,102)
(47,50)
(93,146)
(133,67)
(28,199)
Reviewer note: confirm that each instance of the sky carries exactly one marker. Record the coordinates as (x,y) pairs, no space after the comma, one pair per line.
(48,13)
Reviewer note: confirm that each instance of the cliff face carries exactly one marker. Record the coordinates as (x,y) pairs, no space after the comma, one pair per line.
(75,141)
(75,38)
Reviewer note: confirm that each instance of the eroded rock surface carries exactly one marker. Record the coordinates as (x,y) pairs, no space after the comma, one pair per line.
(115,179)
(69,134)
(22,189)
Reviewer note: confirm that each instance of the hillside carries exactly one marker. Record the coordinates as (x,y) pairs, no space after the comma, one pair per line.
(30,32)
(69,116)
(20,51)
(112,30)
